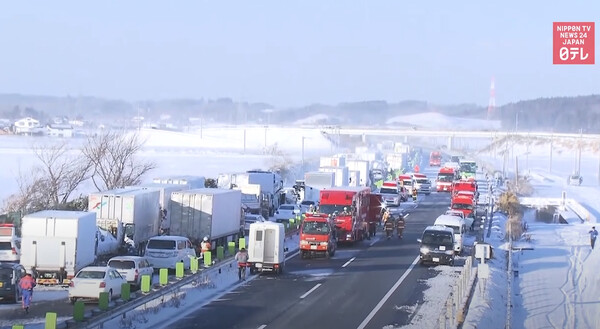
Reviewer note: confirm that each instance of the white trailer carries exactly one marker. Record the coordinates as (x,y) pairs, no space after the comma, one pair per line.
(266,247)
(341,175)
(396,161)
(363,167)
(191,181)
(319,179)
(165,191)
(353,178)
(209,212)
(55,244)
(131,215)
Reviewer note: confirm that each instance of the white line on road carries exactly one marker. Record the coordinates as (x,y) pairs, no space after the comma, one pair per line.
(406,215)
(387,295)
(348,262)
(262,327)
(308,292)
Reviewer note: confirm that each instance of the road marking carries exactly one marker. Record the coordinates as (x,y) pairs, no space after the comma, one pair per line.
(348,262)
(387,295)
(262,327)
(406,215)
(308,292)
(293,255)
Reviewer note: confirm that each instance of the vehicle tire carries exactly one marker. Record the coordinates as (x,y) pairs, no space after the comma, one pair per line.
(16,296)
(73,300)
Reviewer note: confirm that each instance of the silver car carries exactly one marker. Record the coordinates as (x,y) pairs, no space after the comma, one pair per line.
(131,268)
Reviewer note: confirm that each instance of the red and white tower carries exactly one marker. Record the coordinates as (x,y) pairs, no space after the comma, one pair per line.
(492,103)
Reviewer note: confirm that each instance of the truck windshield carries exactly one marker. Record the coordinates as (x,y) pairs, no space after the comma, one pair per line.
(445,178)
(468,167)
(317,228)
(331,208)
(388,190)
(423,181)
(465,206)
(437,238)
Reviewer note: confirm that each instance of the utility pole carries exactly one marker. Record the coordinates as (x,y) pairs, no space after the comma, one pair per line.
(551,139)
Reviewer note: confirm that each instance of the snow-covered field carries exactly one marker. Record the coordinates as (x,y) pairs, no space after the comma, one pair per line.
(556,286)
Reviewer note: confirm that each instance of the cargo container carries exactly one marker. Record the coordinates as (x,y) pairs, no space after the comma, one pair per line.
(341,174)
(266,247)
(353,177)
(210,212)
(165,191)
(319,179)
(56,244)
(271,186)
(131,215)
(191,181)
(363,167)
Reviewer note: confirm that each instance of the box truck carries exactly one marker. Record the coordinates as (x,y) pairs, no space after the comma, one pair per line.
(319,179)
(341,174)
(363,167)
(266,247)
(191,181)
(209,212)
(56,244)
(131,215)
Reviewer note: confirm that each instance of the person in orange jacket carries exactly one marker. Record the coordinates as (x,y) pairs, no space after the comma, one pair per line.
(26,284)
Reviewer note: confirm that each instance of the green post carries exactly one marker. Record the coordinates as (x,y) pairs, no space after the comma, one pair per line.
(146,283)
(194,264)
(207,258)
(292,220)
(103,301)
(163,276)
(242,243)
(231,247)
(50,320)
(179,269)
(125,291)
(220,253)
(18,326)
(79,311)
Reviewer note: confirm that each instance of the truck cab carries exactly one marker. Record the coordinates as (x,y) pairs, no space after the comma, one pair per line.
(317,236)
(422,183)
(391,193)
(435,159)
(444,179)
(466,205)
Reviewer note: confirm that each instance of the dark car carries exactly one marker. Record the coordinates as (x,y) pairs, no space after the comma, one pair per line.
(10,274)
(437,245)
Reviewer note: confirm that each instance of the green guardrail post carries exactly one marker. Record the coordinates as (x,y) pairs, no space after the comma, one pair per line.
(103,301)
(179,269)
(18,326)
(163,276)
(51,320)
(79,311)
(207,255)
(242,243)
(146,279)
(194,264)
(220,253)
(231,247)
(292,221)
(125,291)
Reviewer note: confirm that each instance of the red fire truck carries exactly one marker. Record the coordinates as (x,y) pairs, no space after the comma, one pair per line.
(317,236)
(444,179)
(348,206)
(435,159)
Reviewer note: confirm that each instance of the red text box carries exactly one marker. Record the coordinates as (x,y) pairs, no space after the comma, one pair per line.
(573,43)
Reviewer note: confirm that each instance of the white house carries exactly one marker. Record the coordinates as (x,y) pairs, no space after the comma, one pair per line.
(59,130)
(28,126)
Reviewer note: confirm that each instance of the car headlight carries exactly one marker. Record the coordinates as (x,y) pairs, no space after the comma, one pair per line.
(424,250)
(302,242)
(324,243)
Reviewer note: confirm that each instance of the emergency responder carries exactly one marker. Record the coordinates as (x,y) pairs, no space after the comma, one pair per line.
(205,246)
(400,226)
(388,224)
(414,194)
(26,284)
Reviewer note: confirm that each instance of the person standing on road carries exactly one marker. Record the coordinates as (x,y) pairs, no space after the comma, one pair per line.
(593,235)
(242,259)
(27,283)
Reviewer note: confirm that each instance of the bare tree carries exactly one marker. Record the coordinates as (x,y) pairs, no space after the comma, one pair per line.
(113,157)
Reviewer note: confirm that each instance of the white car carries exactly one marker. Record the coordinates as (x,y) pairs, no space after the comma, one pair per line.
(252,218)
(89,282)
(10,244)
(131,268)
(287,211)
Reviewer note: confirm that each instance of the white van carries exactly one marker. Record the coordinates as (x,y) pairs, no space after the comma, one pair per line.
(457,224)
(10,244)
(266,251)
(167,250)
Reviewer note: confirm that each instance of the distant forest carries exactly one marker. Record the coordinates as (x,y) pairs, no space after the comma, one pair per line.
(558,114)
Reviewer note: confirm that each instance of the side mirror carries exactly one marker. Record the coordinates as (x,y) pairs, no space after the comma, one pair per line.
(419,240)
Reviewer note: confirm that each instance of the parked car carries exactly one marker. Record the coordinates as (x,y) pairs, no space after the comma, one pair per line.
(10,244)
(167,250)
(10,274)
(90,281)
(286,211)
(131,268)
(252,218)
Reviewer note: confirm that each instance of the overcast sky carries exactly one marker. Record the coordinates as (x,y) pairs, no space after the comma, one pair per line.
(292,53)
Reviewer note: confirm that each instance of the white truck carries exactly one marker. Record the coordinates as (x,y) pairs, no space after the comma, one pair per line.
(266,247)
(209,212)
(131,215)
(363,167)
(341,174)
(165,191)
(397,161)
(332,161)
(55,244)
(271,187)
(191,181)
(251,197)
(319,179)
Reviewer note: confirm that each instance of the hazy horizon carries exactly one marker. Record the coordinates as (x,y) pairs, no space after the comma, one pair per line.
(291,54)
